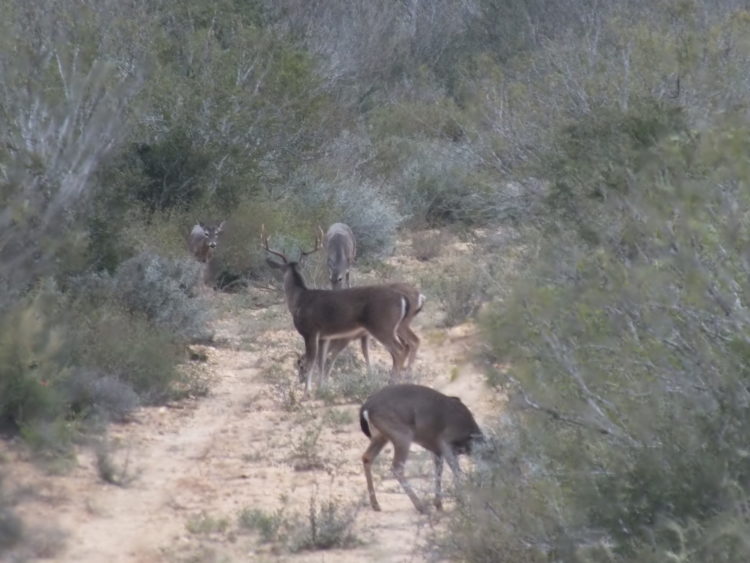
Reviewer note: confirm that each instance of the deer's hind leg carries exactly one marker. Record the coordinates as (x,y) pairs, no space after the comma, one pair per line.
(387,333)
(438,481)
(377,443)
(412,342)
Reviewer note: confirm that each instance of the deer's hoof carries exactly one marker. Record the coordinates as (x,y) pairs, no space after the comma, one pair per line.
(438,505)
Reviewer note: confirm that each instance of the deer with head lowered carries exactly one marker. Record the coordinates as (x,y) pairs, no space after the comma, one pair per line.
(202,245)
(406,413)
(321,316)
(341,249)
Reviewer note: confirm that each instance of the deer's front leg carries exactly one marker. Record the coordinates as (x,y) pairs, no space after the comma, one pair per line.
(311,354)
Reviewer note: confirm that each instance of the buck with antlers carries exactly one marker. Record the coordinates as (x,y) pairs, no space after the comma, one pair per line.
(321,316)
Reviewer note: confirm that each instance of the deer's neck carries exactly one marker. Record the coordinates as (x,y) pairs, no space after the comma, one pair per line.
(294,287)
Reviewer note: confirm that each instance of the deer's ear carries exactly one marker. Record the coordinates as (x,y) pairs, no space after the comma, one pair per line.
(274,264)
(220,227)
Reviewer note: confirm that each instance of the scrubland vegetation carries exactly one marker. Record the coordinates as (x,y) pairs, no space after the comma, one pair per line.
(609,138)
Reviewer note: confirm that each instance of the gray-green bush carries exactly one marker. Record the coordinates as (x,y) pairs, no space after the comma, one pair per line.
(623,344)
(11,526)
(627,342)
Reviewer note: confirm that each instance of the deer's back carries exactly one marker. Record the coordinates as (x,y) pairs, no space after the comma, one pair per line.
(339,242)
(429,415)
(345,308)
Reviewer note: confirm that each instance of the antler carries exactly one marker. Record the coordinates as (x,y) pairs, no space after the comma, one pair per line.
(317,247)
(264,242)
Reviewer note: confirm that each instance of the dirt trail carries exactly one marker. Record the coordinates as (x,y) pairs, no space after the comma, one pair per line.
(200,462)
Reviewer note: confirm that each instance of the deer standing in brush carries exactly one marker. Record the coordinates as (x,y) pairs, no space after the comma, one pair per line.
(321,316)
(341,250)
(202,243)
(410,340)
(406,413)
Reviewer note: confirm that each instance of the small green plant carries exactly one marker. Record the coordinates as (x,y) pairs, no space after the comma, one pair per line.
(339,418)
(353,384)
(327,526)
(51,440)
(284,386)
(268,524)
(305,450)
(111,470)
(427,245)
(205,524)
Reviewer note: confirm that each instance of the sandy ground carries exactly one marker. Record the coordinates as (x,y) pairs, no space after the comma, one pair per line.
(197,464)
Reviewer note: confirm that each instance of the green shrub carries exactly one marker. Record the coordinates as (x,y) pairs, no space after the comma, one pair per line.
(461,288)
(324,527)
(627,378)
(269,525)
(353,200)
(131,348)
(437,191)
(240,254)
(30,348)
(105,396)
(11,526)
(166,292)
(204,524)
(327,526)
(69,356)
(351,381)
(427,245)
(305,450)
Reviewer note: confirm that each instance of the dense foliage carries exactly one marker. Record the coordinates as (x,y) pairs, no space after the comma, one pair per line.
(623,346)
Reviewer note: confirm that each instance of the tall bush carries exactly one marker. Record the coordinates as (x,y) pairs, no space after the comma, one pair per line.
(623,347)
(628,353)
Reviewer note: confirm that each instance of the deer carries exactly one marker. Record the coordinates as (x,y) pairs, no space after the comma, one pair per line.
(405,413)
(415,301)
(321,316)
(341,249)
(202,243)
